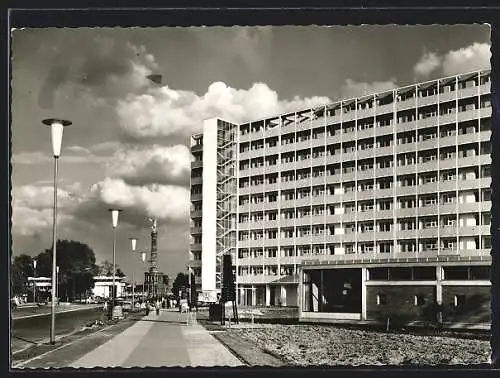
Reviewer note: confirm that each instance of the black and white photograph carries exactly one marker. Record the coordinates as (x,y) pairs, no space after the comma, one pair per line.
(248,196)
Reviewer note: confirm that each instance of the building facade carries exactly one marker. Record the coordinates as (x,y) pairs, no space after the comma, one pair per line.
(355,209)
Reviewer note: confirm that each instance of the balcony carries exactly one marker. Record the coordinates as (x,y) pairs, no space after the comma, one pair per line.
(367,174)
(257,188)
(349,217)
(448,231)
(407,104)
(406,126)
(348,176)
(349,196)
(303,183)
(386,130)
(348,156)
(333,239)
(349,116)
(349,136)
(475,252)
(196,164)
(271,187)
(368,236)
(272,131)
(304,163)
(485,159)
(196,214)
(287,204)
(366,133)
(289,147)
(447,96)
(406,234)
(384,214)
(300,202)
(406,147)
(349,237)
(196,197)
(406,190)
(468,207)
(195,263)
(319,180)
(468,115)
(430,165)
(383,109)
(287,166)
(448,118)
(384,235)
(384,151)
(467,161)
(427,100)
(331,120)
(406,169)
(366,215)
(195,247)
(196,180)
(485,88)
(447,163)
(384,193)
(468,92)
(448,185)
(485,206)
(406,213)
(334,218)
(448,209)
(428,233)
(428,210)
(292,184)
(245,172)
(333,159)
(430,187)
(195,230)
(428,144)
(306,125)
(366,154)
(429,121)
(366,194)
(485,136)
(197,147)
(321,199)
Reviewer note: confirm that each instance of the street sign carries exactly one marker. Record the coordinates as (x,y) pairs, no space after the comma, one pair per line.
(208,296)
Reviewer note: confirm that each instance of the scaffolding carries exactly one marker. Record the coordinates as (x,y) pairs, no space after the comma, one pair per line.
(226,194)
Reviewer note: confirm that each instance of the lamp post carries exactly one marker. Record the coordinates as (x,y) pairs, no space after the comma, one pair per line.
(56,128)
(189,284)
(34,281)
(114,219)
(57,283)
(134,244)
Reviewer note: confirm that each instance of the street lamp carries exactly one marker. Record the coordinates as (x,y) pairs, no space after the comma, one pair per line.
(134,244)
(56,128)
(34,281)
(114,219)
(57,283)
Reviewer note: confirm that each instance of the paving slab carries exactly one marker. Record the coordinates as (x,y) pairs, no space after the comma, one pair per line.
(163,340)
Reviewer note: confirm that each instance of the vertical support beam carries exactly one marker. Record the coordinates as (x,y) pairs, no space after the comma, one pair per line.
(254,295)
(439,286)
(268,296)
(364,276)
(283,295)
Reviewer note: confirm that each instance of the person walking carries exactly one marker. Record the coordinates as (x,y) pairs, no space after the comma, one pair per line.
(157,307)
(147,308)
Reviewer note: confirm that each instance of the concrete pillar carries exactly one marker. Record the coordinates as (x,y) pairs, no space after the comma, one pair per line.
(283,295)
(364,277)
(254,296)
(439,287)
(268,296)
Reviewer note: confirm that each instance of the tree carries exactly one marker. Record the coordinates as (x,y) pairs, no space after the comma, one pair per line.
(106,269)
(21,269)
(180,281)
(77,266)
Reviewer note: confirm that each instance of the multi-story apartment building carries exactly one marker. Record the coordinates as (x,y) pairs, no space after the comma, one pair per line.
(366,207)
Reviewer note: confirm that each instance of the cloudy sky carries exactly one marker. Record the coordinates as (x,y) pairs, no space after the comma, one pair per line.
(128,142)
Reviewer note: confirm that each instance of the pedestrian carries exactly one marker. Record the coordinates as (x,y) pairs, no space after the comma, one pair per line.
(147,308)
(157,307)
(105,306)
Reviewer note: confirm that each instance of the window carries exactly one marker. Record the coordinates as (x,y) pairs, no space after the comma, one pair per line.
(385,205)
(381,299)
(385,226)
(459,301)
(385,247)
(419,300)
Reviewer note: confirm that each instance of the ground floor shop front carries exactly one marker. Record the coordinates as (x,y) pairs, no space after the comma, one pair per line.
(439,291)
(280,295)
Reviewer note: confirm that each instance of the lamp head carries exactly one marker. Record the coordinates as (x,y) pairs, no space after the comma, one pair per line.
(143,256)
(134,243)
(56,126)
(34,263)
(114,216)
(57,269)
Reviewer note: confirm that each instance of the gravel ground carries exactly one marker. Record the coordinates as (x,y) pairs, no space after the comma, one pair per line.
(306,345)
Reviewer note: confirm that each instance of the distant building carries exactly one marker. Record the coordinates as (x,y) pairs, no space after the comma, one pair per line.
(365,207)
(103,285)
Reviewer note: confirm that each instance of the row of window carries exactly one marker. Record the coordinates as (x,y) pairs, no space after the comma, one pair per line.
(363,104)
(349,127)
(449,273)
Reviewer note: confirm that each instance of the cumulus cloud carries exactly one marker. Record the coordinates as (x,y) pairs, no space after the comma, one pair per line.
(474,57)
(353,88)
(32,207)
(152,164)
(470,58)
(428,63)
(166,202)
(163,112)
(44,158)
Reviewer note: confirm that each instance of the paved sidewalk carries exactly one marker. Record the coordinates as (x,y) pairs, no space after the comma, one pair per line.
(160,341)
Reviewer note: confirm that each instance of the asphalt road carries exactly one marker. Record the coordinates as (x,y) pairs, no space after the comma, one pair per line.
(36,329)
